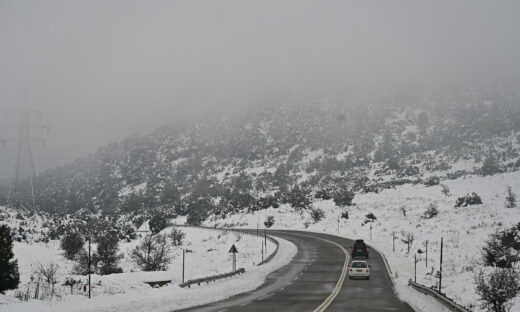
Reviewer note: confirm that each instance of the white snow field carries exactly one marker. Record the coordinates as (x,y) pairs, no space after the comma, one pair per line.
(209,255)
(464,229)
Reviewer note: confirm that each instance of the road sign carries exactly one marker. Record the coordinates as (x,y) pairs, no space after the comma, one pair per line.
(234,251)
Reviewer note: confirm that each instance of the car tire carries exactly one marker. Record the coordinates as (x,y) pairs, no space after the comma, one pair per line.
(368,277)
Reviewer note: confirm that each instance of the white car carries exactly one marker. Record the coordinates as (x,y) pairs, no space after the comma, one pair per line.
(359,269)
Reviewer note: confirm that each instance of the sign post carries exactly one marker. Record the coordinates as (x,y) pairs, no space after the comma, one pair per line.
(234,251)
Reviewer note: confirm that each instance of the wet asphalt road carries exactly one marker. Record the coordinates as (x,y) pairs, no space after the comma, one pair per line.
(306,282)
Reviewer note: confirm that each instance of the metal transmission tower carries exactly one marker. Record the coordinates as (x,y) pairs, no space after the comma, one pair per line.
(28,119)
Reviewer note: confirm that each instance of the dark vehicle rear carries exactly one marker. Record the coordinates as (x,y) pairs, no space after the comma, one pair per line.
(359,250)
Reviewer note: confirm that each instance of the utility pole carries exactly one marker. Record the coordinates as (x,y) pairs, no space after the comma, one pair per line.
(440,268)
(24,156)
(262,252)
(370,231)
(338,224)
(89,269)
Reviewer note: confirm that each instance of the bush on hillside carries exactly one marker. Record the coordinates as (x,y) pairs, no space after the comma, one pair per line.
(502,249)
(468,200)
(431,211)
(269,221)
(72,243)
(497,289)
(511,198)
(157,223)
(343,196)
(153,254)
(317,214)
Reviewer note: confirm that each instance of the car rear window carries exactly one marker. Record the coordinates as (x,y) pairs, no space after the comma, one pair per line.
(359,265)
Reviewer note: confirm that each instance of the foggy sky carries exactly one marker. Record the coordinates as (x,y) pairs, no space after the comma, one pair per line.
(103,70)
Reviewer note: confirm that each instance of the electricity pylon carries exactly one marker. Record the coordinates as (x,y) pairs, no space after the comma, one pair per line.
(24,156)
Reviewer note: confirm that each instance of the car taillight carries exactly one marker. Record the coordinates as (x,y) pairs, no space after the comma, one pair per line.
(350,270)
(367,270)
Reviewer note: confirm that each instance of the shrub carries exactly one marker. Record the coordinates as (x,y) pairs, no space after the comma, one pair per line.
(344,214)
(298,198)
(468,200)
(343,196)
(431,211)
(157,223)
(490,166)
(153,254)
(9,275)
(323,194)
(72,243)
(432,181)
(269,221)
(497,289)
(317,214)
(370,218)
(511,198)
(177,237)
(502,249)
(41,285)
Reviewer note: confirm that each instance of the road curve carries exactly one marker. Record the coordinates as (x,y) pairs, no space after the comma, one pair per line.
(313,281)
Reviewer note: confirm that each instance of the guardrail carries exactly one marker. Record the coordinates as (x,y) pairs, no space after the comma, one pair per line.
(211,278)
(447,302)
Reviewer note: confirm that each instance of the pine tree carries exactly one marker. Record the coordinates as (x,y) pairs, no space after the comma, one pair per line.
(9,275)
(107,254)
(511,198)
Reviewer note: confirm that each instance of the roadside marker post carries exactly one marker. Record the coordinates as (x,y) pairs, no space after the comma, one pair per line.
(415,264)
(426,253)
(393,241)
(440,267)
(183,258)
(234,251)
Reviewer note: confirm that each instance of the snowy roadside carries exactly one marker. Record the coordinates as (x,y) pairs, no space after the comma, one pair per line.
(168,298)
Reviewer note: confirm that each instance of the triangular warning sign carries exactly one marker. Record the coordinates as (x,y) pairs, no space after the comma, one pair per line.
(233,249)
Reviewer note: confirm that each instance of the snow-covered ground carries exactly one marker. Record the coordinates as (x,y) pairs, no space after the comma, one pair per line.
(464,229)
(207,254)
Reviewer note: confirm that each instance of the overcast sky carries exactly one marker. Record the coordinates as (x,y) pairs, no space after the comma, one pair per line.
(103,70)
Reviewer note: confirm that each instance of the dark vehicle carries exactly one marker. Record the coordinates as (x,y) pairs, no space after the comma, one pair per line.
(359,250)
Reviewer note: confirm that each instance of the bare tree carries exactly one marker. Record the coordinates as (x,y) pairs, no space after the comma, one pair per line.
(407,238)
(497,289)
(153,254)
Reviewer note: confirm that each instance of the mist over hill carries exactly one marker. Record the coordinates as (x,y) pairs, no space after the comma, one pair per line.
(290,148)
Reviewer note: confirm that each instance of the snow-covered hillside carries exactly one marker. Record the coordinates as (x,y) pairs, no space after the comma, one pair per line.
(207,253)
(465,229)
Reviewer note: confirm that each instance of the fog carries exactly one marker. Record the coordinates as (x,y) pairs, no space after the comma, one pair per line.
(103,70)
